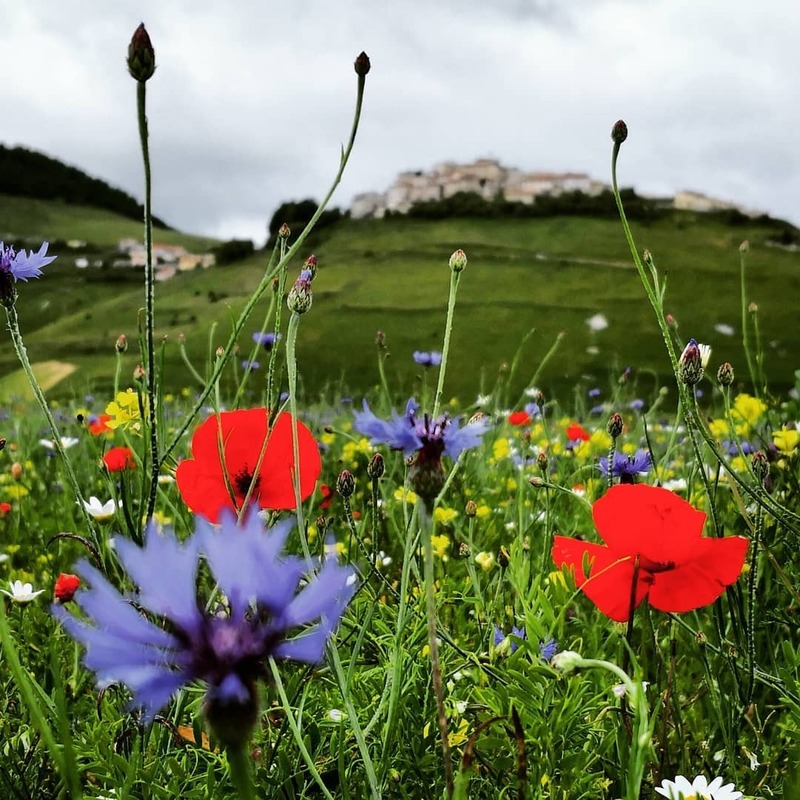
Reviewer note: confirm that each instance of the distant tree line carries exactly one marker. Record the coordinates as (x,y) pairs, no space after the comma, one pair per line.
(27,173)
(297,214)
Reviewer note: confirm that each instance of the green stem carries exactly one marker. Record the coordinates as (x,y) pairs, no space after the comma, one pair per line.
(22,355)
(266,282)
(745,333)
(239,763)
(455,275)
(433,646)
(149,299)
(752,586)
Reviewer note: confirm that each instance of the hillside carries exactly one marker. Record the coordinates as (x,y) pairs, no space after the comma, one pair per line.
(550,274)
(27,173)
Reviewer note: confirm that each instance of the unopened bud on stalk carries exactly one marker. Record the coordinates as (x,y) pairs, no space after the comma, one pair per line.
(310,265)
(300,296)
(690,367)
(542,461)
(619,133)
(503,557)
(744,246)
(284,232)
(647,258)
(458,261)
(16,471)
(753,308)
(471,509)
(362,65)
(346,483)
(376,466)
(141,55)
(614,426)
(760,465)
(536,482)
(138,373)
(725,374)
(122,343)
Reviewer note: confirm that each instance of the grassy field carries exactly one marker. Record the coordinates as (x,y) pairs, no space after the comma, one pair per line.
(550,275)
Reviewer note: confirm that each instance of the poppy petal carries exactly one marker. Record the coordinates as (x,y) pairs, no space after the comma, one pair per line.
(718,564)
(650,521)
(610,575)
(203,491)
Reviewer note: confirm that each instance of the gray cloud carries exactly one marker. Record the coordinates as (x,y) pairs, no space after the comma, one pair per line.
(251,101)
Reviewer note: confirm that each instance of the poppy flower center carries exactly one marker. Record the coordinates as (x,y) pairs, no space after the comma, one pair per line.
(243,479)
(654,567)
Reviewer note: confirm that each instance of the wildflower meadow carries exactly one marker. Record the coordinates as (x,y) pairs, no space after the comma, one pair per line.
(238,590)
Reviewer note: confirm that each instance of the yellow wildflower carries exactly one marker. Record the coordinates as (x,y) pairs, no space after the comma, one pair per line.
(485,560)
(455,738)
(785,440)
(327,438)
(501,449)
(719,428)
(748,409)
(440,544)
(405,495)
(445,515)
(483,511)
(124,411)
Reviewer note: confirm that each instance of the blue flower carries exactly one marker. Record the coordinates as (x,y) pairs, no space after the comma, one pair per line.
(162,638)
(500,637)
(548,649)
(413,434)
(625,467)
(23,265)
(249,366)
(266,340)
(432,359)
(595,392)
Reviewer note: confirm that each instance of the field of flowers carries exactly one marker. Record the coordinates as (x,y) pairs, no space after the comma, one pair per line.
(239,594)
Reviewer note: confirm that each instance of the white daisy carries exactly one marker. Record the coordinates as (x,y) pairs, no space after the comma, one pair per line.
(705,354)
(598,322)
(21,592)
(698,789)
(101,511)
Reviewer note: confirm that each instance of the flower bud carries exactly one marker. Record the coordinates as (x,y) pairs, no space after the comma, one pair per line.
(744,246)
(647,258)
(503,557)
(310,265)
(536,482)
(619,133)
(346,484)
(471,509)
(141,55)
(614,426)
(300,296)
(122,343)
(219,352)
(725,374)
(362,65)
(542,461)
(463,550)
(376,467)
(760,465)
(65,588)
(284,232)
(752,308)
(458,261)
(2,443)
(16,471)
(690,367)
(138,373)
(566,660)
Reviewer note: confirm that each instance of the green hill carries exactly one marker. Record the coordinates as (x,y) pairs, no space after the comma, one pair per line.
(551,274)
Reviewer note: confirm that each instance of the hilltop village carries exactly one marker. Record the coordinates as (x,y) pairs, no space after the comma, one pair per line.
(489,179)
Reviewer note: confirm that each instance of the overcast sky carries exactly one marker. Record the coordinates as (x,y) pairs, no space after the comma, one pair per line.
(252,100)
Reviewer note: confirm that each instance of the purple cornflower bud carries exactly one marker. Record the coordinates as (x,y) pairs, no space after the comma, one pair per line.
(619,133)
(376,466)
(310,265)
(458,261)
(278,606)
(346,483)
(615,425)
(300,296)
(284,232)
(725,374)
(471,509)
(690,366)
(141,55)
(122,343)
(760,465)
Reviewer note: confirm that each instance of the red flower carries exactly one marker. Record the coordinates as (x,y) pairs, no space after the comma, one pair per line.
(678,569)
(226,451)
(327,496)
(575,432)
(519,418)
(118,459)
(66,586)
(100,425)
(5,508)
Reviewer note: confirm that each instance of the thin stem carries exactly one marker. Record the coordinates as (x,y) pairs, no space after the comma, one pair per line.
(267,280)
(455,275)
(745,334)
(433,646)
(239,763)
(752,586)
(149,299)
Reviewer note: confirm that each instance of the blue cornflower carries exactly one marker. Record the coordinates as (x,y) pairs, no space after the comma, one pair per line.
(432,359)
(161,639)
(23,265)
(249,366)
(425,438)
(636,405)
(266,340)
(500,637)
(548,649)
(625,467)
(595,392)
(429,437)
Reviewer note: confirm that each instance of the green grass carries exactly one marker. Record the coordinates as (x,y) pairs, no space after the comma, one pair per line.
(548,274)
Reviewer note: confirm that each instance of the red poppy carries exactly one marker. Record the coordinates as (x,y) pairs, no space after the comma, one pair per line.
(225,462)
(327,496)
(100,425)
(118,459)
(575,432)
(5,508)
(66,586)
(654,538)
(519,418)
